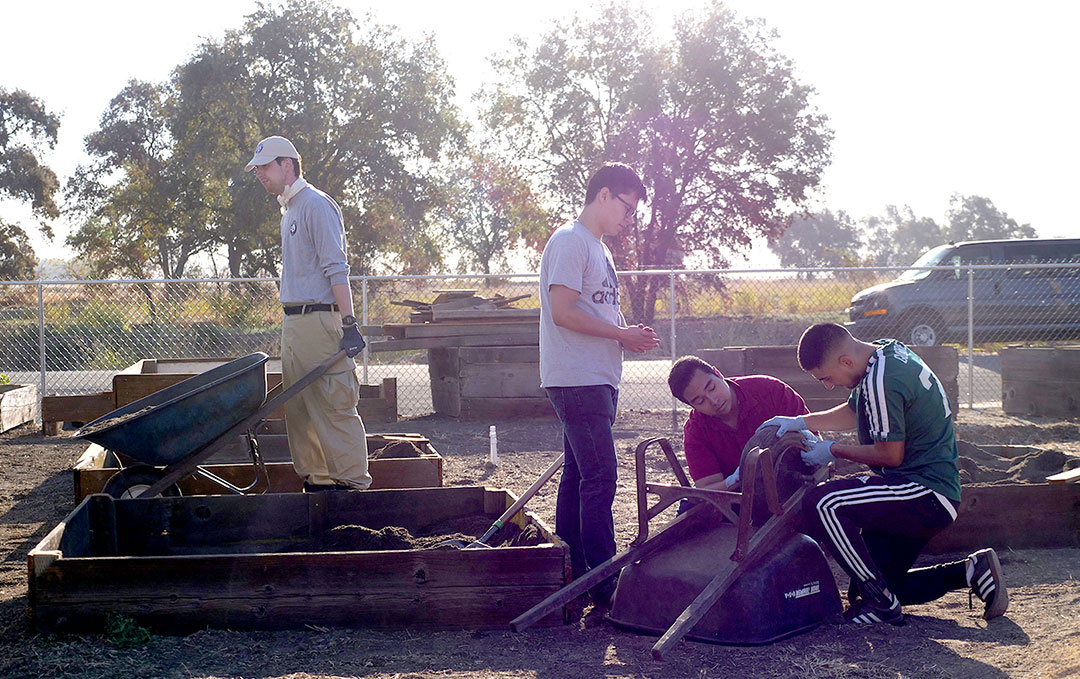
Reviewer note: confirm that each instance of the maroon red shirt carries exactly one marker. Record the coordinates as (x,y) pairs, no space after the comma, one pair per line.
(711,447)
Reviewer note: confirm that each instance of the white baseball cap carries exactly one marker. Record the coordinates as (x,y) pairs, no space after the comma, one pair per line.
(270,149)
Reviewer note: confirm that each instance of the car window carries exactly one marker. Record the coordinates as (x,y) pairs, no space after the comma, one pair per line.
(1040,253)
(974,254)
(936,257)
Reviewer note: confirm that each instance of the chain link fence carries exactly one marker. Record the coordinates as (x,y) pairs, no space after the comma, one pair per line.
(72,337)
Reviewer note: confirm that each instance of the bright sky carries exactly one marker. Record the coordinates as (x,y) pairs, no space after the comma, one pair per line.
(926,98)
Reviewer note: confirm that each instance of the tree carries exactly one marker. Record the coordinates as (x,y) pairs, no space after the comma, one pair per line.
(976,218)
(722,133)
(17,259)
(369,112)
(898,237)
(138,202)
(491,210)
(27,131)
(824,239)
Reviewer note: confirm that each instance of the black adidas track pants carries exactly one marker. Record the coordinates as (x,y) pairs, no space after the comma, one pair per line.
(876,529)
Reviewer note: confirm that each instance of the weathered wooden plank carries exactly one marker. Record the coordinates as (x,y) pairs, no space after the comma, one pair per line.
(1071,476)
(529,354)
(76,408)
(500,339)
(478,607)
(496,380)
(274,576)
(1016,516)
(483,314)
(19,404)
(1041,398)
(417,330)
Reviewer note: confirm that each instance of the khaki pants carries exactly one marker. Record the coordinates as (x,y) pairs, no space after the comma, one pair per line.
(326,435)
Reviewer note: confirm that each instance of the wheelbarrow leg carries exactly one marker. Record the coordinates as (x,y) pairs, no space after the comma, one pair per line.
(594,575)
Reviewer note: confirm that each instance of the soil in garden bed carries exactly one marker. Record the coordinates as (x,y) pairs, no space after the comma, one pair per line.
(466,529)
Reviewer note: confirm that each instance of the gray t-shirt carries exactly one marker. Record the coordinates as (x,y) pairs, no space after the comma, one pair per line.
(574,257)
(312,249)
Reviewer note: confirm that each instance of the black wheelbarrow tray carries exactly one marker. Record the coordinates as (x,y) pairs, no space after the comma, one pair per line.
(183,425)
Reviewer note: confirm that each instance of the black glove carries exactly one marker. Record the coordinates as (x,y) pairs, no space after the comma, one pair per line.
(351,340)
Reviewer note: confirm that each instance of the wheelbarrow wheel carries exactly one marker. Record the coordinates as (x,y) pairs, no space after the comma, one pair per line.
(134,481)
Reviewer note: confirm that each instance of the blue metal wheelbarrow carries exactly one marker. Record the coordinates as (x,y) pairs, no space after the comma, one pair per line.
(183,425)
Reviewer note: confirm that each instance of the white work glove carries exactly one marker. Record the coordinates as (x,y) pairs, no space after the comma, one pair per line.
(819,455)
(785,423)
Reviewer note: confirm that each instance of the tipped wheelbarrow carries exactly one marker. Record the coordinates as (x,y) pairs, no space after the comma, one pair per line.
(173,431)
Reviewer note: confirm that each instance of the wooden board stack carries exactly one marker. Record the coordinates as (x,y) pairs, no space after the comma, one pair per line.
(459,318)
(483,354)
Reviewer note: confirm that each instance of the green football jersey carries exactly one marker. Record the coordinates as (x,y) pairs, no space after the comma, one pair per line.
(901,399)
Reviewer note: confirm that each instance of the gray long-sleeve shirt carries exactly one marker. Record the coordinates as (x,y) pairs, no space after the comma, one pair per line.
(312,249)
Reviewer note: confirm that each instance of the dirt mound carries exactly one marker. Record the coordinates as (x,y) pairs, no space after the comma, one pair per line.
(981,466)
(466,529)
(397,449)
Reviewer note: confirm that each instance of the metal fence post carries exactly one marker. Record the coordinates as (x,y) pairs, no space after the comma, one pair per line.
(364,319)
(673,334)
(971,337)
(41,334)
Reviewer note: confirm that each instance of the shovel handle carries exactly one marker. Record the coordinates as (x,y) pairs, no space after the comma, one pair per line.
(525,497)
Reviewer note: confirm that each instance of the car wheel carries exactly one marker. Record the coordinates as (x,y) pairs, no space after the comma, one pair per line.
(924,331)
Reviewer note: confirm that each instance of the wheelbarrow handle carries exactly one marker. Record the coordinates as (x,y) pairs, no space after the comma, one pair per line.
(293,389)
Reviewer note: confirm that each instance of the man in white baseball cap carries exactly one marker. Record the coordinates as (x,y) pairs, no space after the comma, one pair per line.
(271,149)
(326,435)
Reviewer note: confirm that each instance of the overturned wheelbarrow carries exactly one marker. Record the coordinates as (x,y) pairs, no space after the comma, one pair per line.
(183,425)
(717,572)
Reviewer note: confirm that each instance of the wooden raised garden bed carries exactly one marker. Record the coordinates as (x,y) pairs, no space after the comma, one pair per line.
(424,470)
(284,561)
(1042,381)
(18,404)
(378,402)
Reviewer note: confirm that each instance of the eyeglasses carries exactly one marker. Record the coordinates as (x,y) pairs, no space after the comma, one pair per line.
(631,211)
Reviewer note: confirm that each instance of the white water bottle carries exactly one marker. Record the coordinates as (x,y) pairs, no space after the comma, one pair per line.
(493,446)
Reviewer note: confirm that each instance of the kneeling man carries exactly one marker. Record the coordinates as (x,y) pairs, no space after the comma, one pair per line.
(876,525)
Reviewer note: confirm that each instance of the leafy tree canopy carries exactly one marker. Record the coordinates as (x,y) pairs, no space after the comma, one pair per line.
(714,119)
(491,210)
(17,259)
(369,112)
(977,218)
(899,237)
(27,131)
(824,239)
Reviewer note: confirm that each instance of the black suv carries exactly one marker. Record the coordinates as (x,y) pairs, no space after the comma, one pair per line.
(924,307)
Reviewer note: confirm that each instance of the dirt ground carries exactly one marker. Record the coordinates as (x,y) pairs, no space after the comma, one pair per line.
(1038,637)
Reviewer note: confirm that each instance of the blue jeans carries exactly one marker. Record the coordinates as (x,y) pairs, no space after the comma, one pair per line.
(590,471)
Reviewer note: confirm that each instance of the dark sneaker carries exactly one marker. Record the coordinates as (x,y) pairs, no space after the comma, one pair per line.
(984,577)
(862,612)
(319,487)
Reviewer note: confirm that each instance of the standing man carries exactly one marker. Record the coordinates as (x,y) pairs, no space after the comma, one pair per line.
(875,526)
(582,335)
(326,435)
